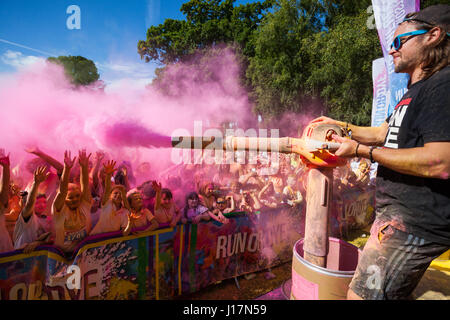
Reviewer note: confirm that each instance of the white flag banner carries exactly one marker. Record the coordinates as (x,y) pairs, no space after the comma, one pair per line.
(380,92)
(388,14)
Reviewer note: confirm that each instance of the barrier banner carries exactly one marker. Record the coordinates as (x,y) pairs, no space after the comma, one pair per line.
(156,265)
(388,14)
(115,268)
(246,244)
(167,262)
(358,209)
(24,276)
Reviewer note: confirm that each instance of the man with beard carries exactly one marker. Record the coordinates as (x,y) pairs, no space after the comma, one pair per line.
(412,225)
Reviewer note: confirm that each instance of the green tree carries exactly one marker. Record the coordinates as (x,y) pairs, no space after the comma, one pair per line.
(80,70)
(208,23)
(297,68)
(277,70)
(341,67)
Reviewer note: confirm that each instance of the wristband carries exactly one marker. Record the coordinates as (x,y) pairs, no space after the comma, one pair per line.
(348,131)
(370,154)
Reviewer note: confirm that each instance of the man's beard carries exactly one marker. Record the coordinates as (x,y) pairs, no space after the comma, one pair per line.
(401,67)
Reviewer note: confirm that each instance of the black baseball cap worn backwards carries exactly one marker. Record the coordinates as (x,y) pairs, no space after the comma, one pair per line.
(437,15)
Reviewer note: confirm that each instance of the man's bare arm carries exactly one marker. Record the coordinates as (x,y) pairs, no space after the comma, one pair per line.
(430,161)
(83,160)
(40,175)
(109,168)
(4,193)
(47,158)
(58,203)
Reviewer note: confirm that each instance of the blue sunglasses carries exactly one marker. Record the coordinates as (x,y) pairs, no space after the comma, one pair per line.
(397,43)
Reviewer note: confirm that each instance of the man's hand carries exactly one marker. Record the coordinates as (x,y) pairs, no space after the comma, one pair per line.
(156,186)
(347,148)
(68,161)
(222,218)
(100,155)
(83,159)
(196,219)
(121,188)
(326,120)
(41,174)
(30,247)
(4,161)
(109,167)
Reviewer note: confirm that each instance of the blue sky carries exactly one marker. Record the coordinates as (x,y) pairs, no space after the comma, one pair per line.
(108,34)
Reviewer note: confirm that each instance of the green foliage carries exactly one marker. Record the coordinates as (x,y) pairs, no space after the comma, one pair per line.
(427,3)
(276,72)
(341,68)
(294,65)
(80,70)
(208,23)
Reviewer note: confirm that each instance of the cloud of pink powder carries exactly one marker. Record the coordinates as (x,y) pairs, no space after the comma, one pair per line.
(39,107)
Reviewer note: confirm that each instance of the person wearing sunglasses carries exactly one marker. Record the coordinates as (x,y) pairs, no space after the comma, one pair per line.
(412,148)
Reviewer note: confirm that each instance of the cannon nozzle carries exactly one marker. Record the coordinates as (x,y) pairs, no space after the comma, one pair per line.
(231,143)
(315,147)
(186,142)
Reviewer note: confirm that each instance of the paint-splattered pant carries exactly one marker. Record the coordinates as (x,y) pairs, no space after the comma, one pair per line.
(392,263)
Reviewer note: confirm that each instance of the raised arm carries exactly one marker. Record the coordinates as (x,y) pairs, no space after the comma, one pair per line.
(83,160)
(157,187)
(40,175)
(4,193)
(58,203)
(233,205)
(126,204)
(109,168)
(47,158)
(125,177)
(99,155)
(123,192)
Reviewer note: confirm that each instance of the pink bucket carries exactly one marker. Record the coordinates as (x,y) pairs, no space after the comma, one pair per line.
(310,282)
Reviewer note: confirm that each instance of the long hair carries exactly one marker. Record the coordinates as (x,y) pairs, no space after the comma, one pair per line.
(167,192)
(190,195)
(435,57)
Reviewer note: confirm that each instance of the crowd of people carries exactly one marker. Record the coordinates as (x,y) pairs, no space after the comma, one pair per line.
(90,194)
